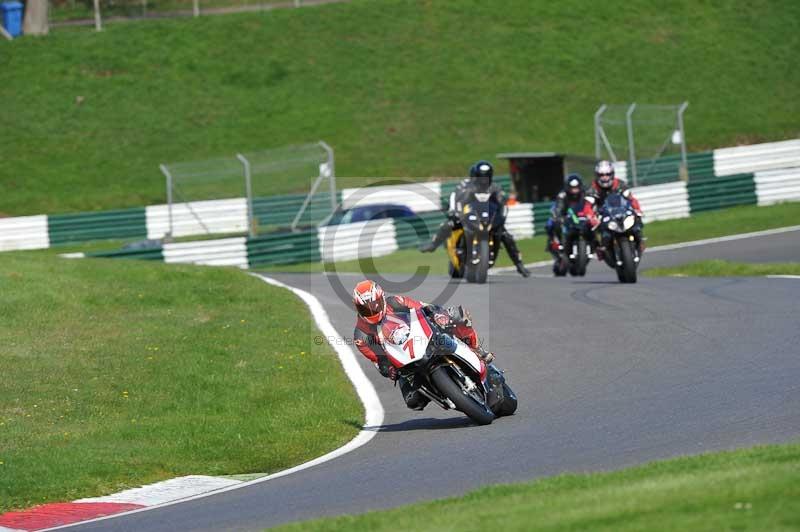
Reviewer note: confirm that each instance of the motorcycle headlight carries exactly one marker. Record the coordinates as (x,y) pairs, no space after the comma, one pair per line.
(628,223)
(613,225)
(472,217)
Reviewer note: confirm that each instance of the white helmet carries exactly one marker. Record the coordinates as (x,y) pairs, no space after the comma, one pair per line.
(604,174)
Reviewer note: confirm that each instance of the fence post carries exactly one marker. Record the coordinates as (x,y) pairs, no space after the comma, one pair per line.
(597,139)
(251,222)
(165,171)
(631,149)
(332,177)
(196,8)
(98,24)
(684,162)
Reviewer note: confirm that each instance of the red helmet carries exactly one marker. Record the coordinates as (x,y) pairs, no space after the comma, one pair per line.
(369,300)
(604,174)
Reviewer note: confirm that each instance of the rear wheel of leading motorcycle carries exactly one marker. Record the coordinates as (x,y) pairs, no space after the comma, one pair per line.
(448,384)
(626,272)
(477,273)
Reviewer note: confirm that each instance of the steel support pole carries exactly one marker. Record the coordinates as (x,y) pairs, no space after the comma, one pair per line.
(332,178)
(597,139)
(684,160)
(305,203)
(631,147)
(165,171)
(251,222)
(98,24)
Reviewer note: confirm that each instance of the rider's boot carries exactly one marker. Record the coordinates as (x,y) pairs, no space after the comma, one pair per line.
(600,251)
(513,252)
(414,399)
(554,247)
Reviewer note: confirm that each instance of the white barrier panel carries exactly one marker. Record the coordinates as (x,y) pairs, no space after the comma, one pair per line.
(419,197)
(520,220)
(663,202)
(223,252)
(352,241)
(218,216)
(757,157)
(620,171)
(24,232)
(775,186)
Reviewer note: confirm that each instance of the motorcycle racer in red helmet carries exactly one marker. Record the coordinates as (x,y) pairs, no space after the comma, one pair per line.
(373,306)
(605,183)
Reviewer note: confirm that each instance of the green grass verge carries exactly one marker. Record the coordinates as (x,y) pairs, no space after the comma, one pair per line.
(722,268)
(121,373)
(754,489)
(702,225)
(398,88)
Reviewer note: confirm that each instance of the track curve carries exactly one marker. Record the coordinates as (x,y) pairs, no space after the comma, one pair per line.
(665,367)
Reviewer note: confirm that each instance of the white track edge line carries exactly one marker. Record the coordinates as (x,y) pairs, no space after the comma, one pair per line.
(728,238)
(667,247)
(364,388)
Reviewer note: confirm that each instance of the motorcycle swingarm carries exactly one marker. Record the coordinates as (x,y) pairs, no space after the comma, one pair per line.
(447,404)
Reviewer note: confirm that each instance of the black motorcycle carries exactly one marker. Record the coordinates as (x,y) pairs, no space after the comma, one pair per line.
(619,228)
(576,250)
(473,249)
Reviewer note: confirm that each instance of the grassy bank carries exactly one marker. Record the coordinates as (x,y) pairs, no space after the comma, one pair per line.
(722,268)
(753,489)
(122,373)
(702,225)
(398,88)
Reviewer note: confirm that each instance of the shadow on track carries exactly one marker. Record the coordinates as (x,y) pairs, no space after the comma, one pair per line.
(427,423)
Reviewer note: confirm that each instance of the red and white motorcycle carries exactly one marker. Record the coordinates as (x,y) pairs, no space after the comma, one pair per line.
(445,369)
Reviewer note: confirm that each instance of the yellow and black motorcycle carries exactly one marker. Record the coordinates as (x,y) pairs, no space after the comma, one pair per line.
(472,249)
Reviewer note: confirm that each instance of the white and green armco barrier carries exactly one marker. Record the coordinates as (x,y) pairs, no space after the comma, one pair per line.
(745,175)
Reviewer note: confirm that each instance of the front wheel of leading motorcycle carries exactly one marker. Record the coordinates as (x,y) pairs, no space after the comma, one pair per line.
(627,271)
(466,400)
(477,273)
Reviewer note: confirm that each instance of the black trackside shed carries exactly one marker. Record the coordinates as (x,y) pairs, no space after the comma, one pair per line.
(539,176)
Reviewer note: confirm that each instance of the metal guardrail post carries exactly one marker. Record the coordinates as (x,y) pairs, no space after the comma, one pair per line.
(684,161)
(597,139)
(332,177)
(165,171)
(631,147)
(98,24)
(251,222)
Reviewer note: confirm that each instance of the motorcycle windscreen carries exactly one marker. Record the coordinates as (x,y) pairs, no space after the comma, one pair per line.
(405,337)
(616,201)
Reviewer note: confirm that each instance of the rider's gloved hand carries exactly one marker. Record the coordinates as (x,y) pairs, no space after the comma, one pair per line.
(387,370)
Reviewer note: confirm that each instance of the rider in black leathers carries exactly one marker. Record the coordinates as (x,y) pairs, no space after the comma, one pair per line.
(480,181)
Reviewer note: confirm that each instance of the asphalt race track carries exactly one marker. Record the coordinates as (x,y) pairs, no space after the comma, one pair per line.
(608,376)
(781,247)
